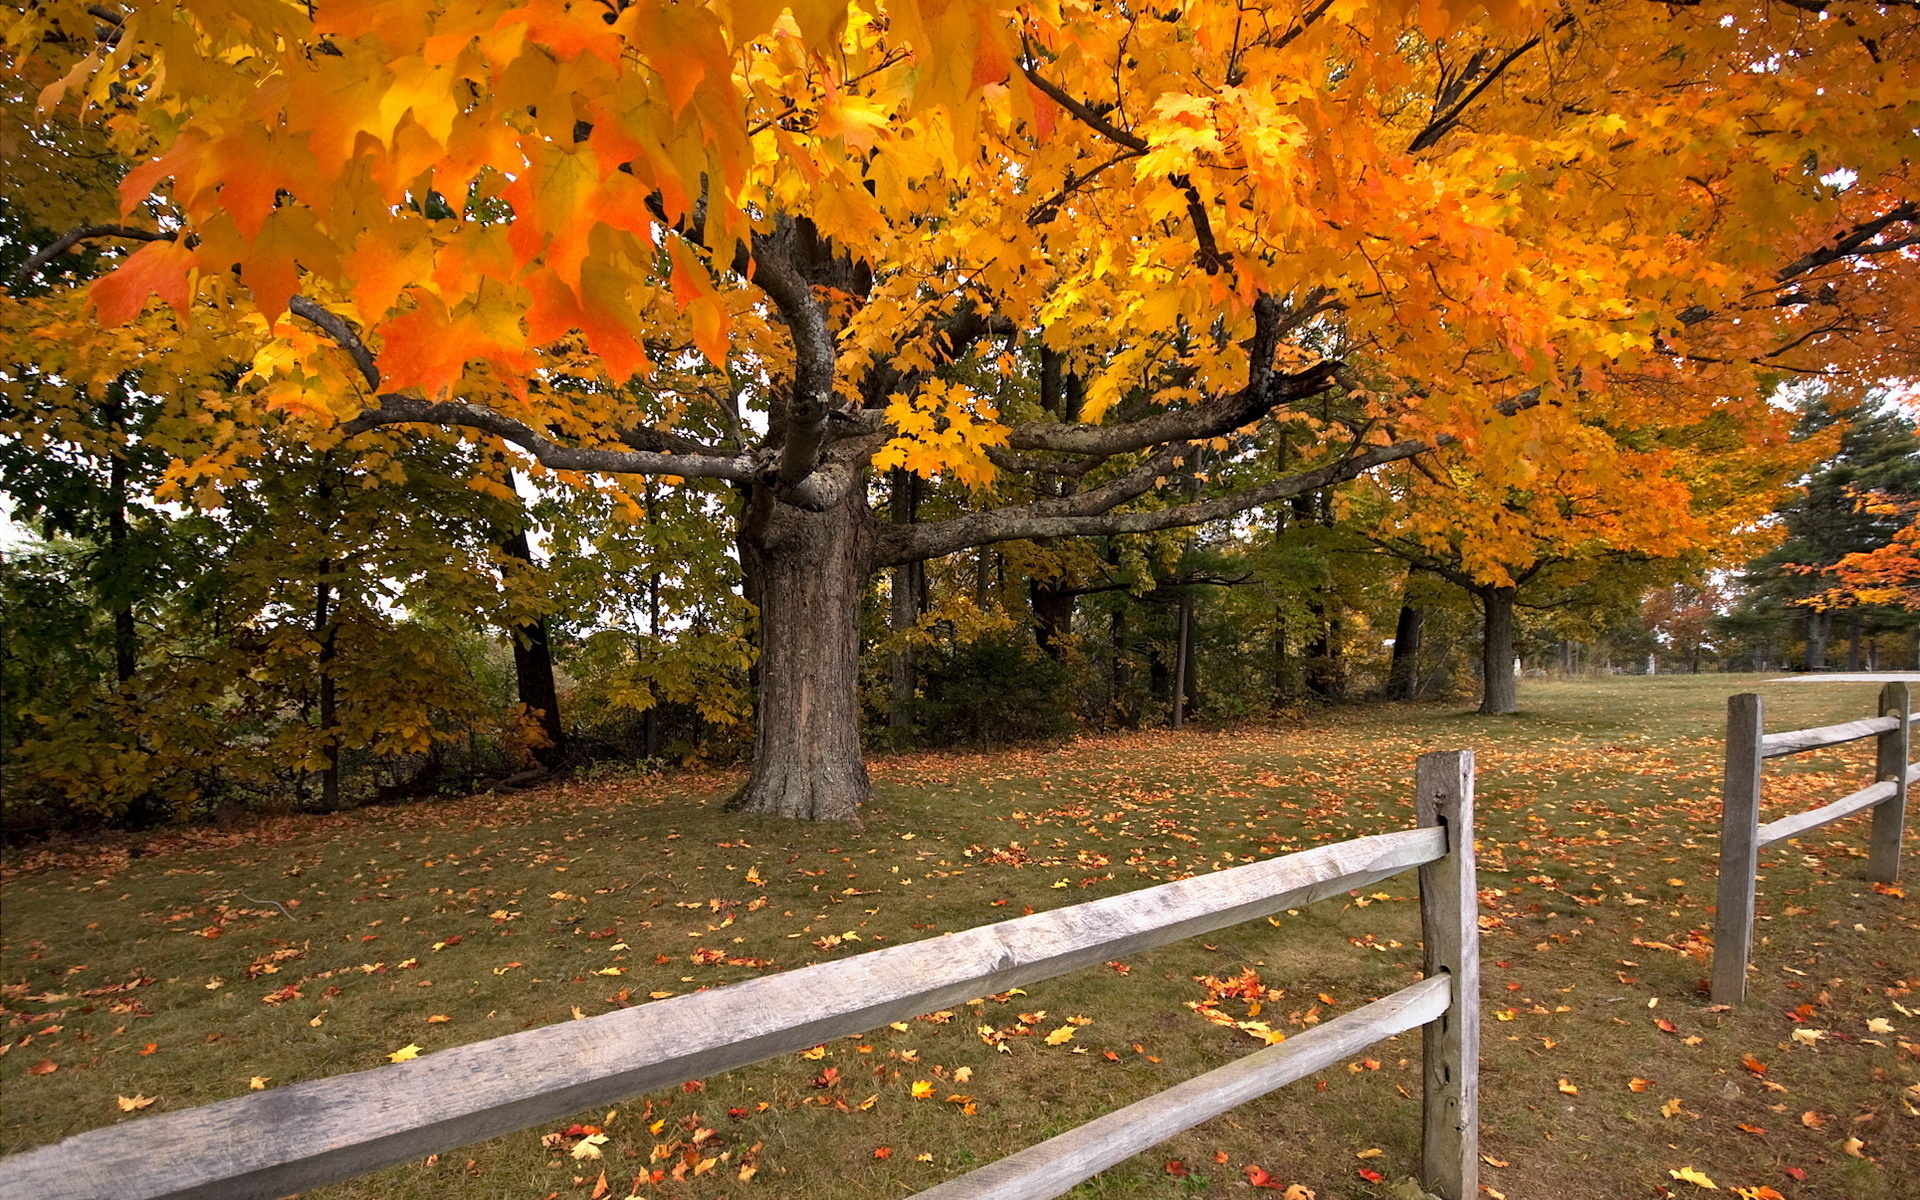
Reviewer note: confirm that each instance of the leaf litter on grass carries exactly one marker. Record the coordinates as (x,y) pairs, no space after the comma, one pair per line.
(441,923)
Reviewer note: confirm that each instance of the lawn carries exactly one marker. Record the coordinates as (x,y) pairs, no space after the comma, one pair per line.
(186,967)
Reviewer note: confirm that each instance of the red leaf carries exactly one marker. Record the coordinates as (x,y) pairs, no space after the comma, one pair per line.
(1177,1169)
(1371,1175)
(1258,1177)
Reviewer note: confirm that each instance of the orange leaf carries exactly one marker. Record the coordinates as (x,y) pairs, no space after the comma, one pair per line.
(157,268)
(45,1066)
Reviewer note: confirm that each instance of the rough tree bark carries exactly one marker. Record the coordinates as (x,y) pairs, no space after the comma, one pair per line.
(1497,690)
(807,572)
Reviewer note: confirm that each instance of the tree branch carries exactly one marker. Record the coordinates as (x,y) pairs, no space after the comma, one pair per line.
(396,409)
(73,237)
(1080,516)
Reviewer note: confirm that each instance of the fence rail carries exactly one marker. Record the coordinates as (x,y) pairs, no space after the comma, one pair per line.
(272,1143)
(1776,745)
(1742,836)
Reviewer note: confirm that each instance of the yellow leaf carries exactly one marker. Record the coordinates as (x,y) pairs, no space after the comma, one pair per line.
(1060,1036)
(1696,1178)
(131,1103)
(922,1089)
(589,1146)
(1672,1108)
(259,1082)
(404,1053)
(1569,1089)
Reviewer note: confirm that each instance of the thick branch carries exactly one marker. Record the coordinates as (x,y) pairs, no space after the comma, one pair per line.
(1442,122)
(1212,419)
(397,409)
(1854,242)
(1080,516)
(813,352)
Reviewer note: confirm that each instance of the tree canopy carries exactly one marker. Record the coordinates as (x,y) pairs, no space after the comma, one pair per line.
(1096,269)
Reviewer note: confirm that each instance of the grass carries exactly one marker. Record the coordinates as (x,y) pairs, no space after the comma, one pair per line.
(188,966)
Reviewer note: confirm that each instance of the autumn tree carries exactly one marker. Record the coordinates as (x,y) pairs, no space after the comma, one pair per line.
(1852,502)
(792,250)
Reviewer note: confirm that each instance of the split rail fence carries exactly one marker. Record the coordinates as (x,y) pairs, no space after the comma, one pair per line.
(272,1143)
(1742,836)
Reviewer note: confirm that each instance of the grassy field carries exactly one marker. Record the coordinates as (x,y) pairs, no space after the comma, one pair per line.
(189,967)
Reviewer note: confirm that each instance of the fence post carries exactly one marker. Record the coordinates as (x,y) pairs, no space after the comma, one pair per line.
(1449,919)
(1739,849)
(1890,816)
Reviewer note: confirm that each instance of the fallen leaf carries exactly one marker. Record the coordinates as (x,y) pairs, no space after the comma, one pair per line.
(259,1082)
(1638,1084)
(132,1103)
(1258,1177)
(1753,1064)
(1374,1153)
(45,1066)
(1879,1025)
(1672,1108)
(589,1146)
(1297,1191)
(408,1051)
(1177,1169)
(922,1089)
(1370,1175)
(1812,1119)
(963,1075)
(438,1019)
(1060,1036)
(1568,1089)
(1852,1146)
(1696,1178)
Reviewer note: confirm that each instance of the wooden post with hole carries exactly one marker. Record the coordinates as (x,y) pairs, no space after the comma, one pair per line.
(1739,849)
(1890,816)
(1450,925)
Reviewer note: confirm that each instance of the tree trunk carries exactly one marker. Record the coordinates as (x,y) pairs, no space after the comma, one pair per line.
(807,572)
(1052,616)
(1122,706)
(120,587)
(1819,624)
(533,666)
(326,629)
(1182,657)
(1497,693)
(1855,634)
(1403,674)
(904,607)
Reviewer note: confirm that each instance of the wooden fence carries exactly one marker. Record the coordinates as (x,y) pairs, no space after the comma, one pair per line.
(288,1139)
(1742,836)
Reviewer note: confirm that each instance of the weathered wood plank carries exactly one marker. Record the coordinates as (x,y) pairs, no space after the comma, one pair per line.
(1739,851)
(1450,926)
(271,1143)
(1059,1163)
(1890,818)
(1795,741)
(1826,814)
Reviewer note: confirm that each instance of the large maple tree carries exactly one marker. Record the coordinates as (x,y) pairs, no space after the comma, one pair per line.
(1061,254)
